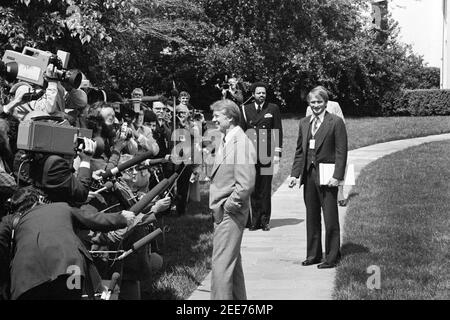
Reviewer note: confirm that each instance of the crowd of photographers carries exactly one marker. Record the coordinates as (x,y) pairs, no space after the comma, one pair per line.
(122,129)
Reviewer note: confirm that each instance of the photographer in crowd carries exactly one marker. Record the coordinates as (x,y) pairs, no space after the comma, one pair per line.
(25,102)
(232,92)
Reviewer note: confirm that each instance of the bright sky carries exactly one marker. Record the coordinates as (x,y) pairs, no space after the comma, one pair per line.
(420,23)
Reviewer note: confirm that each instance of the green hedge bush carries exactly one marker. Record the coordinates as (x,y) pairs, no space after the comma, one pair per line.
(421,102)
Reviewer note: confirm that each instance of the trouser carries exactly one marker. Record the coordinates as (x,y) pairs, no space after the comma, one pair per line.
(260,199)
(227,276)
(316,198)
(183,189)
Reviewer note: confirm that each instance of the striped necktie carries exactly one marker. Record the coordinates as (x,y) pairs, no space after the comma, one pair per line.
(316,122)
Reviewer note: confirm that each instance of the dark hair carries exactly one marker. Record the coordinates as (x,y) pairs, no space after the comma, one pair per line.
(24,198)
(150,116)
(257,85)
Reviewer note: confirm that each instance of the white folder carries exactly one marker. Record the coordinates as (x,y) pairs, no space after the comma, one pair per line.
(326,171)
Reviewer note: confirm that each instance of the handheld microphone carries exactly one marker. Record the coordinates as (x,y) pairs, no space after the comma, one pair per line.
(107,186)
(149,196)
(127,164)
(140,243)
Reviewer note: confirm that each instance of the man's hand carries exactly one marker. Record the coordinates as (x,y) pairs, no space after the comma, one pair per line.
(292,181)
(98,174)
(50,72)
(88,150)
(333,182)
(129,216)
(161,205)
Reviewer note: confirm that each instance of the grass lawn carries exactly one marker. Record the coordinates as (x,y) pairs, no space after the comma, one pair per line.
(400,222)
(188,244)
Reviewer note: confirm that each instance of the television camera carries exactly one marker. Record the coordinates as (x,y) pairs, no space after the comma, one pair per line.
(31,64)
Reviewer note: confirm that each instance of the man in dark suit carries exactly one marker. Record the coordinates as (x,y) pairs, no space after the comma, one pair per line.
(262,123)
(322,138)
(41,251)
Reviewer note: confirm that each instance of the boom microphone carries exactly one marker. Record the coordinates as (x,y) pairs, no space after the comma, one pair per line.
(127,164)
(140,243)
(149,196)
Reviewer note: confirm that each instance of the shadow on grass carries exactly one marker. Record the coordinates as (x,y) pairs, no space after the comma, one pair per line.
(350,248)
(186,252)
(275,223)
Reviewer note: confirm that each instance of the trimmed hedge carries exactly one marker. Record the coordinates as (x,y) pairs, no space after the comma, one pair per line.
(421,102)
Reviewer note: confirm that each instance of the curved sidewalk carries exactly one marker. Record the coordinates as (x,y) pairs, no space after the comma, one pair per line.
(272,260)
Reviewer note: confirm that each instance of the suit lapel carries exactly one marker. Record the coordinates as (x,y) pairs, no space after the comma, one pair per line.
(323,130)
(305,131)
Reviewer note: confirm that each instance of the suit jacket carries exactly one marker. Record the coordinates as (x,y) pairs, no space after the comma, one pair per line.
(233,179)
(330,145)
(260,129)
(46,244)
(60,183)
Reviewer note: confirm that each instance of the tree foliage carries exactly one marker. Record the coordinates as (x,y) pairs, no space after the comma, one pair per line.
(293,45)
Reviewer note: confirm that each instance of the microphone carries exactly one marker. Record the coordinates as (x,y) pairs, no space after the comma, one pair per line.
(171,182)
(140,243)
(107,186)
(148,219)
(106,295)
(127,164)
(149,196)
(174,91)
(151,98)
(151,162)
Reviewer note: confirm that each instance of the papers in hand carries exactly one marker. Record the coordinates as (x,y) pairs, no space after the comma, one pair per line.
(326,171)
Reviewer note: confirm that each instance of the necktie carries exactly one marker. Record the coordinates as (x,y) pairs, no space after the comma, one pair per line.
(258,110)
(315,125)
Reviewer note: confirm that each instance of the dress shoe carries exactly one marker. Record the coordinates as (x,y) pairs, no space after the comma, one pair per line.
(254,228)
(266,228)
(309,262)
(326,265)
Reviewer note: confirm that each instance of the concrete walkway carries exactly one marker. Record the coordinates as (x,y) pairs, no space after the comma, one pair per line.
(272,260)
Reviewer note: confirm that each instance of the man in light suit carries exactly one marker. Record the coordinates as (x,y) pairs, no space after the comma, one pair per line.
(322,138)
(232,181)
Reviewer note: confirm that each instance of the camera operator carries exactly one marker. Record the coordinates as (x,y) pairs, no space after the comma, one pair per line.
(54,175)
(41,255)
(230,91)
(75,101)
(21,104)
